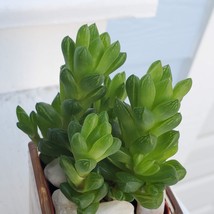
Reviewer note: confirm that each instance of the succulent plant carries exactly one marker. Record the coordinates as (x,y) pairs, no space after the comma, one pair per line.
(113,136)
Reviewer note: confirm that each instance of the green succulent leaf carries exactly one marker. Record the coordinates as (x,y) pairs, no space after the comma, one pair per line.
(93,181)
(167,125)
(67,165)
(91,209)
(100,146)
(59,136)
(94,33)
(147,92)
(132,88)
(49,114)
(89,124)
(85,166)
(167,175)
(112,149)
(93,96)
(164,91)
(105,39)
(52,148)
(117,194)
(119,61)
(68,47)
(82,62)
(83,36)
(85,200)
(166,110)
(79,146)
(144,144)
(68,86)
(73,128)
(27,123)
(71,107)
(181,171)
(167,74)
(156,71)
(149,201)
(128,183)
(101,193)
(146,167)
(182,88)
(68,192)
(91,82)
(56,103)
(96,49)
(110,54)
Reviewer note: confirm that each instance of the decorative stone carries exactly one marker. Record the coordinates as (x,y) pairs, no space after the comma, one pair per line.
(115,207)
(54,173)
(64,206)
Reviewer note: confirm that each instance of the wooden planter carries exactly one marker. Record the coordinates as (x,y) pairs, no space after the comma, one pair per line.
(41,201)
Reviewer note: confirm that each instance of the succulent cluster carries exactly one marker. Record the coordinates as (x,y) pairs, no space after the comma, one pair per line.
(109,148)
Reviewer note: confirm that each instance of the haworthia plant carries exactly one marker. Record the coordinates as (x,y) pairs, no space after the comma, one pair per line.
(114,136)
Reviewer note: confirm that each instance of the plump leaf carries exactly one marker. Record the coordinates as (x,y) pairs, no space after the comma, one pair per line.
(146,167)
(68,47)
(73,128)
(93,96)
(79,146)
(101,193)
(89,124)
(68,167)
(166,175)
(56,103)
(26,123)
(147,92)
(71,107)
(93,181)
(156,71)
(49,114)
(82,62)
(68,86)
(59,136)
(105,39)
(91,82)
(143,145)
(52,148)
(83,36)
(100,146)
(112,149)
(92,208)
(101,130)
(166,110)
(164,91)
(128,183)
(148,119)
(182,88)
(166,73)
(167,125)
(94,33)
(85,166)
(149,201)
(111,53)
(181,171)
(132,88)
(68,192)
(117,63)
(96,50)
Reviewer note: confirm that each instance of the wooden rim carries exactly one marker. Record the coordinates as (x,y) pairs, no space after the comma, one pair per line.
(41,183)
(176,209)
